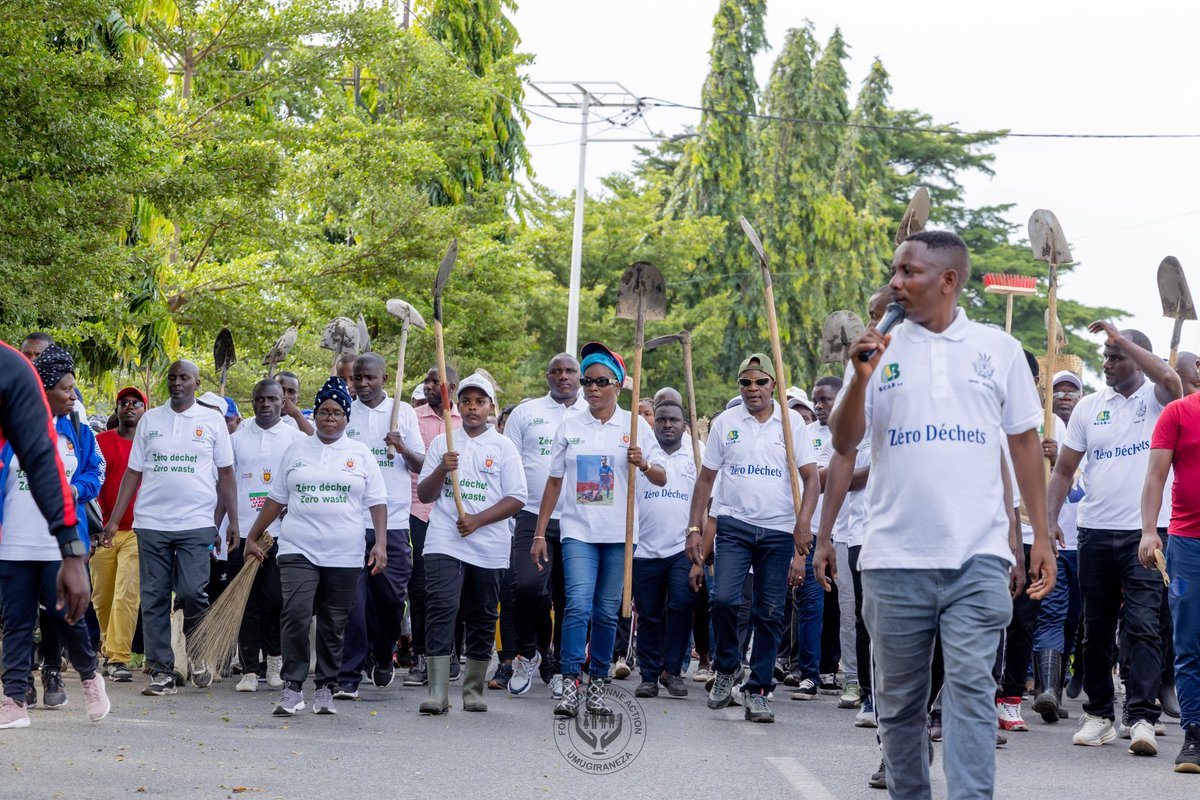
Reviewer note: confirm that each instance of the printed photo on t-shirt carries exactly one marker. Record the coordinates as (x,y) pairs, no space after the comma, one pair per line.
(594,480)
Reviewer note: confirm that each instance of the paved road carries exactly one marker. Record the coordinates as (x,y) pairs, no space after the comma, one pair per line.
(208,743)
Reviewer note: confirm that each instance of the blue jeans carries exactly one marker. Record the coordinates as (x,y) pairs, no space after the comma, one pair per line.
(594,575)
(664,602)
(738,548)
(1059,618)
(1183,565)
(905,609)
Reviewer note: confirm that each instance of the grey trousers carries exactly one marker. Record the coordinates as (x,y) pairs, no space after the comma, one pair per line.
(171,561)
(327,592)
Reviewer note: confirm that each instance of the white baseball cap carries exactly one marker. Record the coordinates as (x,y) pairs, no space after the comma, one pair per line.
(418,392)
(216,401)
(1066,376)
(477,381)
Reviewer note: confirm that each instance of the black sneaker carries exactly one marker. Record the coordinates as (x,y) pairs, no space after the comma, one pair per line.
(549,667)
(160,684)
(878,779)
(119,672)
(646,689)
(793,678)
(675,684)
(417,674)
(455,666)
(781,670)
(31,695)
(829,685)
(757,709)
(53,693)
(346,691)
(382,674)
(1188,759)
(501,677)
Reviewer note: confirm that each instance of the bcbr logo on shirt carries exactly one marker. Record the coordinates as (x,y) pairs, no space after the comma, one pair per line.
(731,437)
(1103,418)
(890,377)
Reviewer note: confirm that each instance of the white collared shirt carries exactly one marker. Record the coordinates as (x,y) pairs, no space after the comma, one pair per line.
(370,426)
(489,470)
(852,516)
(178,455)
(257,458)
(531,428)
(936,409)
(1114,432)
(326,488)
(663,510)
(26,534)
(752,459)
(591,458)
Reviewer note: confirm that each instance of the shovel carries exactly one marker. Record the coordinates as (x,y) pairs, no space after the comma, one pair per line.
(439,283)
(340,336)
(641,295)
(364,338)
(1049,244)
(408,316)
(1176,299)
(685,339)
(841,329)
(777,353)
(283,345)
(915,216)
(224,356)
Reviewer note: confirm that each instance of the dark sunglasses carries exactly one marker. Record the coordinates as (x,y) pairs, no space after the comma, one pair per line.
(128,402)
(601,382)
(757,381)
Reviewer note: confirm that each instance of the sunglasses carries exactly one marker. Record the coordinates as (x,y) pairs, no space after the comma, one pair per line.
(129,402)
(601,382)
(744,382)
(1066,395)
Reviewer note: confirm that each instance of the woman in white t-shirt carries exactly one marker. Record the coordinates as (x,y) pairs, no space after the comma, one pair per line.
(465,556)
(327,481)
(591,452)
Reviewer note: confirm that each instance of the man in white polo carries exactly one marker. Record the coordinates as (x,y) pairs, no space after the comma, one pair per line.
(176,450)
(936,397)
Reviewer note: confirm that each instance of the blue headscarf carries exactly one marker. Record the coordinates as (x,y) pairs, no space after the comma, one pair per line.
(334,389)
(604,360)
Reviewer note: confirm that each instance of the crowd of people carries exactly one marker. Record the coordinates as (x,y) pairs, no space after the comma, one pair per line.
(927,577)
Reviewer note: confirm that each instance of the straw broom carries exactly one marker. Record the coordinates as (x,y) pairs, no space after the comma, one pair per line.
(214,640)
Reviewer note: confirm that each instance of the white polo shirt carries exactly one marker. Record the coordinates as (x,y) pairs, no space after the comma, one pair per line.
(852,516)
(257,459)
(752,459)
(26,535)
(178,456)
(489,470)
(326,488)
(591,458)
(936,409)
(663,510)
(370,426)
(1060,431)
(1114,432)
(531,428)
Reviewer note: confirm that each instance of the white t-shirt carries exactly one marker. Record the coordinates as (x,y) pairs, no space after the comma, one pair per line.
(819,434)
(26,535)
(257,462)
(531,428)
(752,459)
(590,457)
(489,470)
(663,510)
(852,516)
(1114,432)
(1060,431)
(370,426)
(178,456)
(326,488)
(937,408)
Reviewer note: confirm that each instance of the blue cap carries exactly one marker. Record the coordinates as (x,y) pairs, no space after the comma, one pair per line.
(232,410)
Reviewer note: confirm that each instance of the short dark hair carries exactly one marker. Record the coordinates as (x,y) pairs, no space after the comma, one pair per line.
(283,373)
(39,336)
(945,240)
(1138,338)
(1032,361)
(830,380)
(267,383)
(668,401)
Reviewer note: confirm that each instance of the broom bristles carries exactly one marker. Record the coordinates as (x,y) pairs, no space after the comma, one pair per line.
(215,638)
(1000,283)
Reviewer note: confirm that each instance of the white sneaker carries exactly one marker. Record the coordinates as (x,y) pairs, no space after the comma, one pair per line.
(248,683)
(621,670)
(523,671)
(1094,731)
(274,666)
(865,718)
(1142,735)
(556,686)
(1008,712)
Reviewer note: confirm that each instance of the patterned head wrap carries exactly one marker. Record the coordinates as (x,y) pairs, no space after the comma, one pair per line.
(52,365)
(334,389)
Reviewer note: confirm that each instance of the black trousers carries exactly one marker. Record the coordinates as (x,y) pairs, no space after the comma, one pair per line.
(385,594)
(259,633)
(831,633)
(1018,640)
(535,593)
(326,592)
(416,583)
(664,603)
(451,584)
(862,639)
(1109,572)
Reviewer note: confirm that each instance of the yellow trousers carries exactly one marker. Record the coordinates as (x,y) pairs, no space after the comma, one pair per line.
(115,587)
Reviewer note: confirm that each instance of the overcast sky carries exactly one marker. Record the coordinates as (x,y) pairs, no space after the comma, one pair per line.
(1041,67)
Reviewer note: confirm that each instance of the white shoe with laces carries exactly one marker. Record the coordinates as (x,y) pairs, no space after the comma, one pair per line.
(248,683)
(1142,741)
(1094,731)
(523,671)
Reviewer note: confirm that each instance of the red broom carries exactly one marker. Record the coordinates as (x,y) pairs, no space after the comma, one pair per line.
(1009,285)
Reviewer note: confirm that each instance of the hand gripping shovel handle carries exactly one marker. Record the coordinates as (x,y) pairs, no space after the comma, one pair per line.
(447,416)
(631,489)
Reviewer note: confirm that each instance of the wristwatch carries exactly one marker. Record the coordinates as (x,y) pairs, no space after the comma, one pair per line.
(692,529)
(75,547)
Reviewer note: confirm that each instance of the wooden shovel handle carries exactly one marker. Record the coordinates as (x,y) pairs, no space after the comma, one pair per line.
(447,416)
(631,491)
(399,389)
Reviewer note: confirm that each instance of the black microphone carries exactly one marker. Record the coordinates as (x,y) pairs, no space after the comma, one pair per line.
(893,316)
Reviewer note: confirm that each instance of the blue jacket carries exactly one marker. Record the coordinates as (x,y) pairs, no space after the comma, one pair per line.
(88,477)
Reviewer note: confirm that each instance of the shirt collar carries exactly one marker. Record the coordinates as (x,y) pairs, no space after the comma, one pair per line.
(957,331)
(1109,394)
(578,402)
(383,407)
(748,417)
(427,411)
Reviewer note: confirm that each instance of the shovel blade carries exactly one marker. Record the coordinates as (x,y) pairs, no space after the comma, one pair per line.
(443,273)
(364,338)
(642,280)
(915,216)
(752,235)
(1046,238)
(841,329)
(223,353)
(406,313)
(340,336)
(1173,290)
(283,345)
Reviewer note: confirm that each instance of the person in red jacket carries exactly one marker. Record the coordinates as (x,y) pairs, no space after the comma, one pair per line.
(115,583)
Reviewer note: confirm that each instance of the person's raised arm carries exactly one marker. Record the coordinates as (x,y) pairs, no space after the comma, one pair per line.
(1167,384)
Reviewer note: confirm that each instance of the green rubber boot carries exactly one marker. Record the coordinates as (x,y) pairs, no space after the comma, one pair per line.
(473,678)
(439,685)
